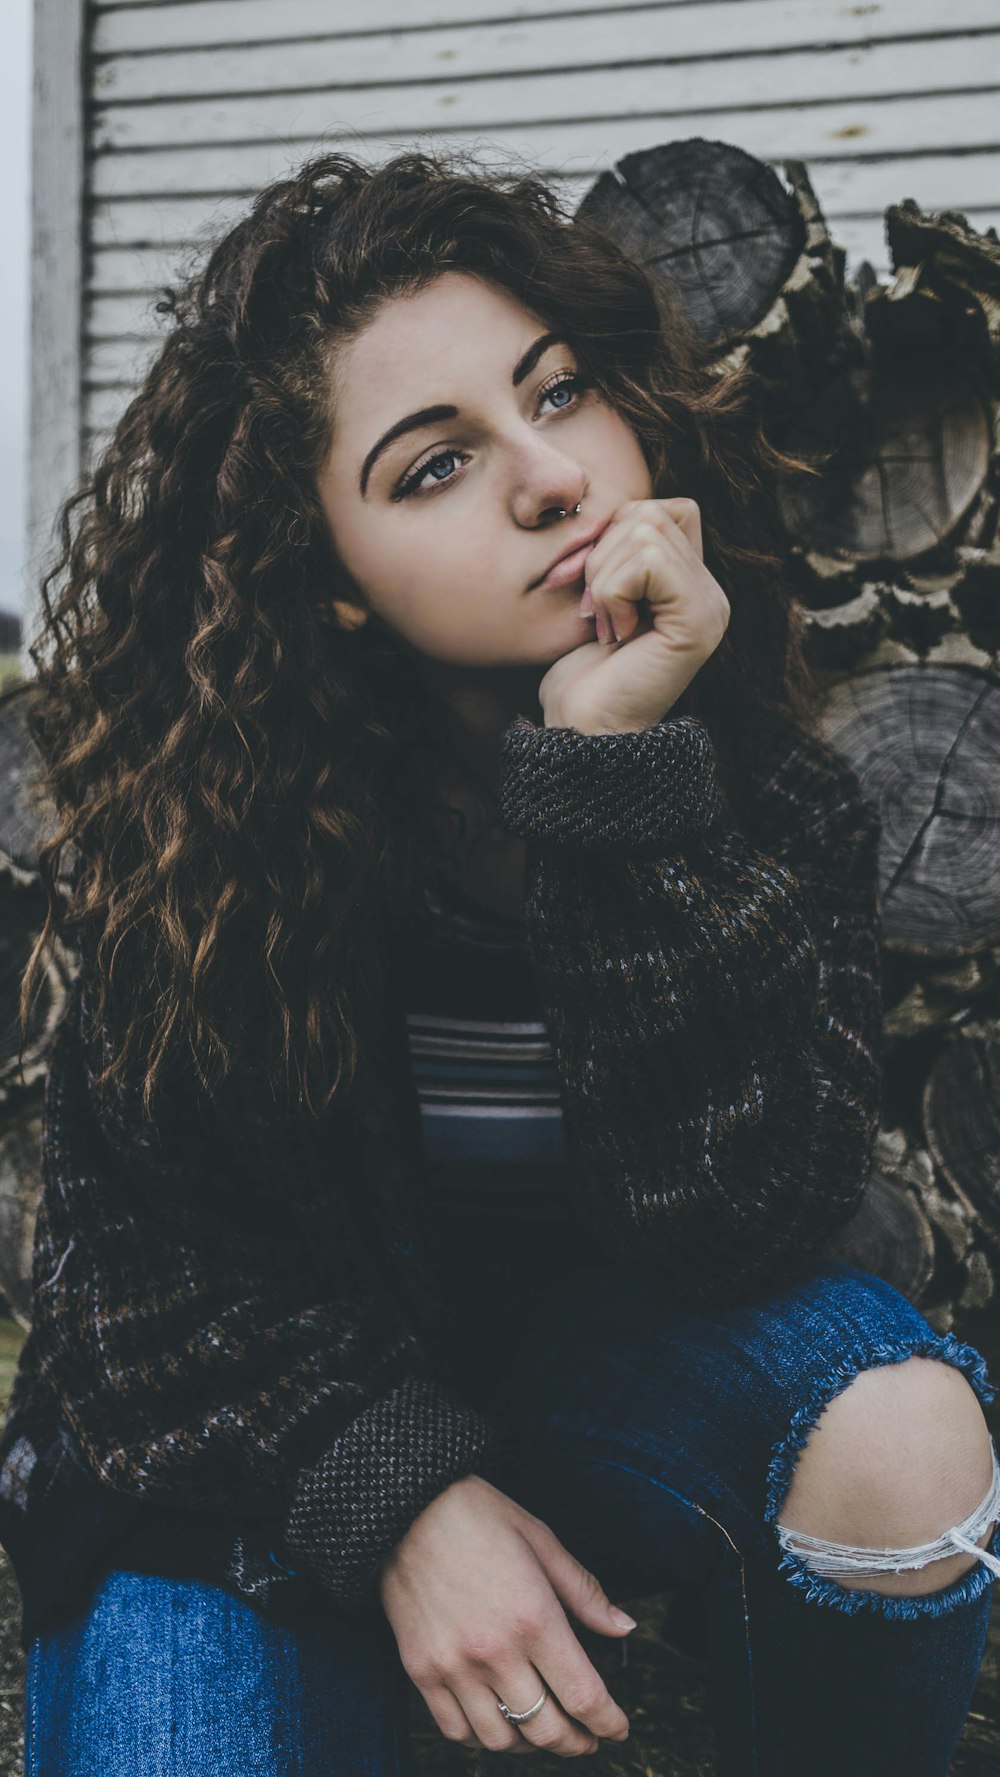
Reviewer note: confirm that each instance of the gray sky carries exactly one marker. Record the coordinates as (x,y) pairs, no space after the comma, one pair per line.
(15,94)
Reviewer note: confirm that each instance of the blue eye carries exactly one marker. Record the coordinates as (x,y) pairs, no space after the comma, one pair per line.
(566,382)
(411,483)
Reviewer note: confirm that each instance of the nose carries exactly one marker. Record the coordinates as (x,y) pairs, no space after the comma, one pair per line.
(554,495)
(554,513)
(546,481)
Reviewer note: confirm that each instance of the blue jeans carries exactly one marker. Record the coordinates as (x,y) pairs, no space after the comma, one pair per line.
(658,1444)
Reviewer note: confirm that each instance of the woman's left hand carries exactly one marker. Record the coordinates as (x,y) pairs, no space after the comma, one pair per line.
(652,551)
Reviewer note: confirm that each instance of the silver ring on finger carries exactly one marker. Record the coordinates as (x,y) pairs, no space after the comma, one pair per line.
(524,1714)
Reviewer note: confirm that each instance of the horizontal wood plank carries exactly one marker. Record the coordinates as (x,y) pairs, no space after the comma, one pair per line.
(482,36)
(800,132)
(966,180)
(123,335)
(215,20)
(197,106)
(823,98)
(125,315)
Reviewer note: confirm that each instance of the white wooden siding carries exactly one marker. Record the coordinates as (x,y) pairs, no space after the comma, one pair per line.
(55,436)
(194,106)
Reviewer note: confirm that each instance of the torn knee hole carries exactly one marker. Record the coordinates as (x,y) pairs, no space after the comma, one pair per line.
(848,1561)
(866,1466)
(904,1591)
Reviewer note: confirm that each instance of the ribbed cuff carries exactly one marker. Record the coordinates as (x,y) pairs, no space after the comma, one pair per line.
(352,1506)
(632,792)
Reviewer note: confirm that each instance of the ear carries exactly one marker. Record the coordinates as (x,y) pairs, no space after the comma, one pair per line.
(348,615)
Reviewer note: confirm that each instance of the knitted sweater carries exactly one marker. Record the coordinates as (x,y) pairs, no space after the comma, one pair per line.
(251,1325)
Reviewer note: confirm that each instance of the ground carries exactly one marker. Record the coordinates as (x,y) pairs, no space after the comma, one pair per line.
(662,1689)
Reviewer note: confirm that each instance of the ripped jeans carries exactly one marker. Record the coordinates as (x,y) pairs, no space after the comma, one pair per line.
(659,1446)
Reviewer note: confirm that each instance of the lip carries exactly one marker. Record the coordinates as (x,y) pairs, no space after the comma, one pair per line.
(569,566)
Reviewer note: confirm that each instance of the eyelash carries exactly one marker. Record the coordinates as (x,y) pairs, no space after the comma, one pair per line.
(409,485)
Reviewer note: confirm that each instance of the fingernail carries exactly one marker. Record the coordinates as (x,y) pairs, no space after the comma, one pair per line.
(586,603)
(619,1617)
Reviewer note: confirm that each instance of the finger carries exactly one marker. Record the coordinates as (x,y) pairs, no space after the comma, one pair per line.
(646,576)
(581,1691)
(615,623)
(644,518)
(454,1724)
(574,1585)
(615,542)
(686,514)
(621,580)
(621,540)
(520,1685)
(563,1662)
(479,1698)
(448,1714)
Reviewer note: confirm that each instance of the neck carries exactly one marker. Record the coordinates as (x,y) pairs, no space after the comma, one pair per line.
(481,705)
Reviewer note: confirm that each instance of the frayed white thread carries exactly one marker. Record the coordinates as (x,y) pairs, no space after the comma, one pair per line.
(55,1275)
(833,1558)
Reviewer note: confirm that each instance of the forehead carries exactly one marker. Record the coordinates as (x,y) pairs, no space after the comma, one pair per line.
(458,310)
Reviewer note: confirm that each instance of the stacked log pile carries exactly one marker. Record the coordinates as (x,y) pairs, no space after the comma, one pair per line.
(24,819)
(894,554)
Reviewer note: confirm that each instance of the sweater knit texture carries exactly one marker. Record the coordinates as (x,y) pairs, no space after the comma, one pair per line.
(253,1326)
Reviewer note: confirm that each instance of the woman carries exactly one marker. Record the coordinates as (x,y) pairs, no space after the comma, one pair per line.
(377,1342)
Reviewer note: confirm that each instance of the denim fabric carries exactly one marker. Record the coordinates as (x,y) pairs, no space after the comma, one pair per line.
(164,1677)
(659,1445)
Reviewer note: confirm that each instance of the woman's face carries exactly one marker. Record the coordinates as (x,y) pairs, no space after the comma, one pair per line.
(445,528)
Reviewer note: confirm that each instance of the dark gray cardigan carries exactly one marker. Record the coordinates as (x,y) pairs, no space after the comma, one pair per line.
(273,1348)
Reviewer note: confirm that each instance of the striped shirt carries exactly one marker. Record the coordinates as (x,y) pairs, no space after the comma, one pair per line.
(492,1125)
(486,1079)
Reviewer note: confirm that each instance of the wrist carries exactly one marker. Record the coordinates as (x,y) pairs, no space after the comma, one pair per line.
(650,789)
(604,727)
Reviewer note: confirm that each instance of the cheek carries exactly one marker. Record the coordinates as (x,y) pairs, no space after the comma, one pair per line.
(451,613)
(388,574)
(625,457)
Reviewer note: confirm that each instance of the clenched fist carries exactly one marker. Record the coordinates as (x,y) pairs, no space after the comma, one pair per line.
(628,679)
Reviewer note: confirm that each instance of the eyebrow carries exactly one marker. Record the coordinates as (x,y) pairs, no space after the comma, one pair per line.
(429,416)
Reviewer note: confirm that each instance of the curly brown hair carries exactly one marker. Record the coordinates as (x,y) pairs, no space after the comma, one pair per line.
(248,790)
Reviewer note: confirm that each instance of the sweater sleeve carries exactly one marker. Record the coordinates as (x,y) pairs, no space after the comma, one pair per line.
(224,1343)
(713,998)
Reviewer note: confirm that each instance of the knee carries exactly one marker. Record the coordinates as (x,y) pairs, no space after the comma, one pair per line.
(901,1455)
